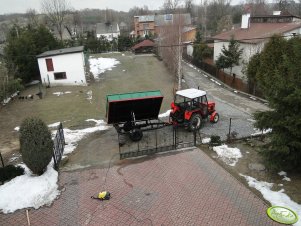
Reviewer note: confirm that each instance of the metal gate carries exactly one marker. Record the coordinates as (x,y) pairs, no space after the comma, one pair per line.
(155,141)
(59,144)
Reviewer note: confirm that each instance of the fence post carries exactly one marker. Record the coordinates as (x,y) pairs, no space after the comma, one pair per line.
(54,159)
(156,140)
(194,137)
(1,160)
(229,135)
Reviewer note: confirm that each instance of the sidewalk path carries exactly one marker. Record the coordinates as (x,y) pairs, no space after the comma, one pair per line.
(179,188)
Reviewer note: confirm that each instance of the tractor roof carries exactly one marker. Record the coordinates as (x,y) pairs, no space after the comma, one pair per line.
(191,93)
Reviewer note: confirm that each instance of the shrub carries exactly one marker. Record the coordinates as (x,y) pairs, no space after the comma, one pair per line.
(9,172)
(36,145)
(215,140)
(232,136)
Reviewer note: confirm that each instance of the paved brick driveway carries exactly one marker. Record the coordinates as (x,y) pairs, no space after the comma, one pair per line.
(180,188)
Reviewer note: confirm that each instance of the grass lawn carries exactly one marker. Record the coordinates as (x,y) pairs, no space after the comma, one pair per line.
(134,73)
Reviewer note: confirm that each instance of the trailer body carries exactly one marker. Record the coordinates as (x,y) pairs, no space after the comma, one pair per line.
(145,105)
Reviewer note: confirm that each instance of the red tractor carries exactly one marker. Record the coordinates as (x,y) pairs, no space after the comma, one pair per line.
(190,107)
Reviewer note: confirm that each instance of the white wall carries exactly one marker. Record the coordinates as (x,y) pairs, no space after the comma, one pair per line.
(290,34)
(109,36)
(190,50)
(248,51)
(72,64)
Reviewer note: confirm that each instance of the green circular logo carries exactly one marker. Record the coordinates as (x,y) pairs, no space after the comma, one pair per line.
(282,215)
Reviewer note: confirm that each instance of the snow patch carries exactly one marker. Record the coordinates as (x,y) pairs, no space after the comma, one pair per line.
(276,198)
(229,155)
(260,132)
(100,65)
(72,137)
(56,124)
(61,93)
(284,174)
(206,140)
(89,94)
(58,93)
(17,128)
(28,190)
(164,115)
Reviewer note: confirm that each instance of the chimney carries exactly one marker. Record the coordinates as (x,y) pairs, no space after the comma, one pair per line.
(245,22)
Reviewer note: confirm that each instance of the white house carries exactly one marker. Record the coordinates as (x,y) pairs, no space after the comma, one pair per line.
(63,66)
(108,30)
(254,32)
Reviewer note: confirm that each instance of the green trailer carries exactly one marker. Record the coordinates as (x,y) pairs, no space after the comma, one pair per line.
(133,113)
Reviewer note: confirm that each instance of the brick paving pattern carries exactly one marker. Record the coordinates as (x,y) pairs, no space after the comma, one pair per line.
(182,188)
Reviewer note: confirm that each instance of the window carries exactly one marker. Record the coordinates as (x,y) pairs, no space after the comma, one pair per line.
(60,75)
(168,17)
(49,64)
(145,26)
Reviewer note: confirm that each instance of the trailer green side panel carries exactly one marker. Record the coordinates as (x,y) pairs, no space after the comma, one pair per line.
(145,105)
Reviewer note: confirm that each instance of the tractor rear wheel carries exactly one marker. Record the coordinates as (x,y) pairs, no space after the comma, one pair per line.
(195,122)
(136,135)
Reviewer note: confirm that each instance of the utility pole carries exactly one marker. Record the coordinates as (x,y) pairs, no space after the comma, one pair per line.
(179,70)
(205,21)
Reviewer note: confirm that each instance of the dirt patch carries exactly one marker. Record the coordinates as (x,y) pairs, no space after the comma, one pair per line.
(252,164)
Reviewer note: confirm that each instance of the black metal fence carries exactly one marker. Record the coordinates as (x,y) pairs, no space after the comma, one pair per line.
(155,141)
(59,144)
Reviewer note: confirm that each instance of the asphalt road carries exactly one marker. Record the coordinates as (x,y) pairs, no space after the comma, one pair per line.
(229,104)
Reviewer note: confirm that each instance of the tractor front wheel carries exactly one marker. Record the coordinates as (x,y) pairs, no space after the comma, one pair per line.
(195,122)
(136,135)
(215,118)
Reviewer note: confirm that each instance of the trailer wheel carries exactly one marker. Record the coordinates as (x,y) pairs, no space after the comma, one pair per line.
(127,126)
(136,135)
(195,122)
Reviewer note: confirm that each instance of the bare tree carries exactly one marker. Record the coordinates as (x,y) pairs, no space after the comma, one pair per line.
(56,11)
(77,22)
(188,6)
(258,7)
(170,6)
(170,46)
(215,10)
(32,17)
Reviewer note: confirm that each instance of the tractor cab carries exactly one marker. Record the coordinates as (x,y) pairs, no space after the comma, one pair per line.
(190,106)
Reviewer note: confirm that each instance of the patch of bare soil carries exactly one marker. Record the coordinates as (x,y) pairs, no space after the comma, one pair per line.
(252,164)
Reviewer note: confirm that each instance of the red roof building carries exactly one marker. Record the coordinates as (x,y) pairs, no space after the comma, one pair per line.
(144,46)
(254,32)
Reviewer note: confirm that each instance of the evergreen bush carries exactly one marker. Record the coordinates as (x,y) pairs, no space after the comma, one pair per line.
(215,140)
(9,172)
(36,145)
